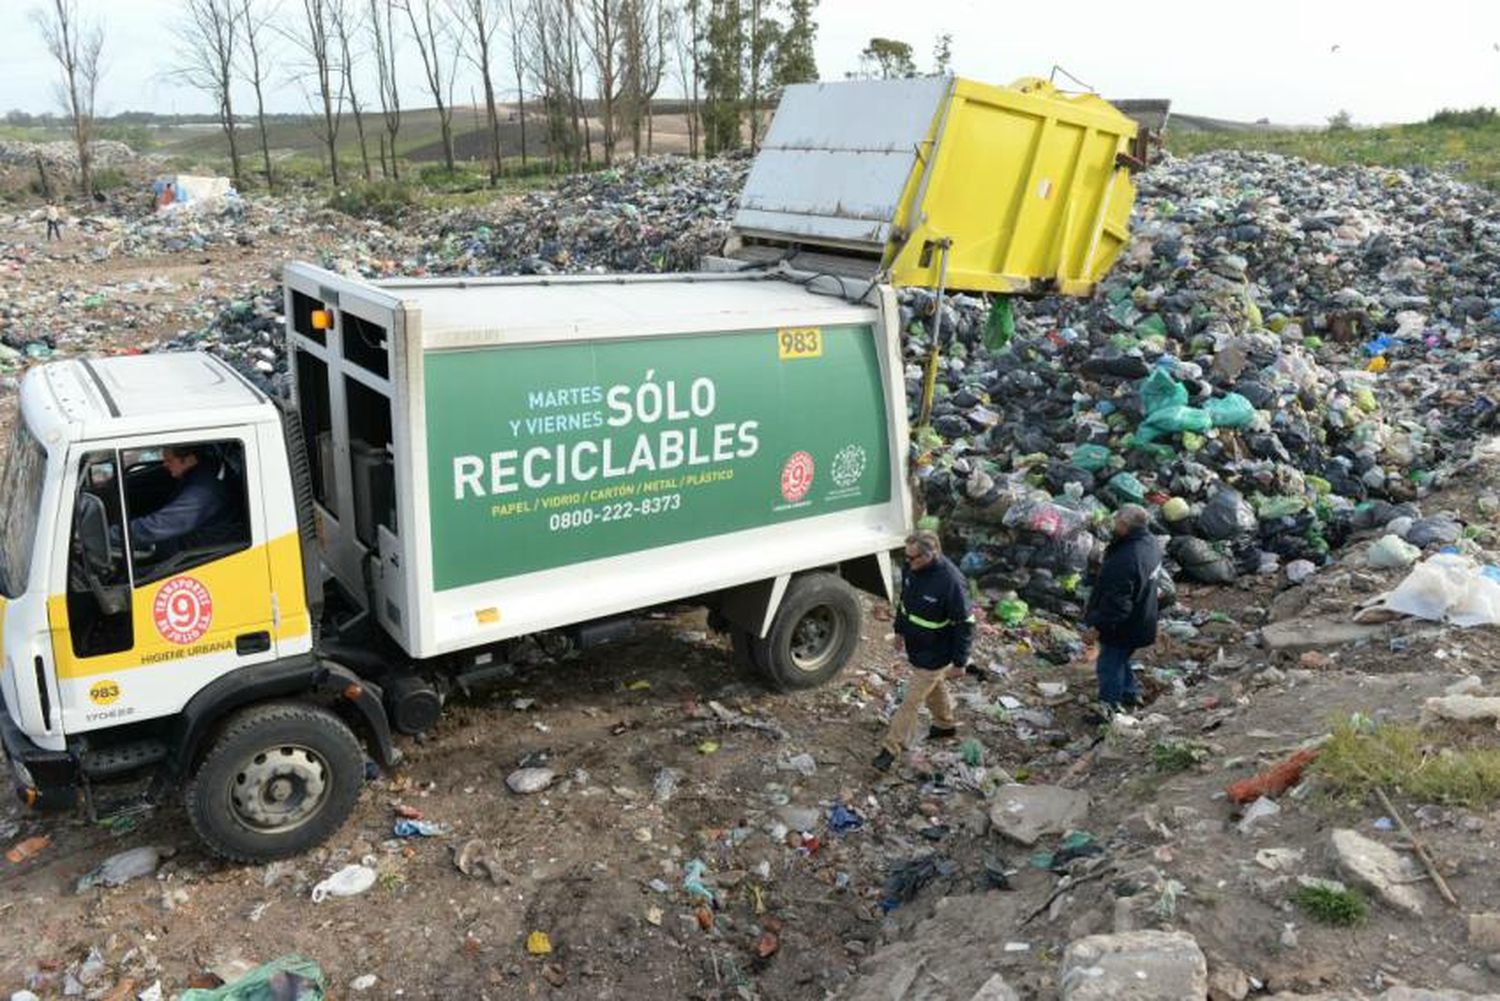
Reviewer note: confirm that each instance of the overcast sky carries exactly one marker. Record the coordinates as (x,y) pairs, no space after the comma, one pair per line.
(1293,61)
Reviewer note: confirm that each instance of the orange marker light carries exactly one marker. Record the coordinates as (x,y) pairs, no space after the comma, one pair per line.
(322,319)
(353,692)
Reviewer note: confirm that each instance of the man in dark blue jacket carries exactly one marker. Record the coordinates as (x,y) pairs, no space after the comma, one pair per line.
(936,628)
(1121,612)
(202,503)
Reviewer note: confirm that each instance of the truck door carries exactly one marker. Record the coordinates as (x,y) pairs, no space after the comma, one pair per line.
(167,577)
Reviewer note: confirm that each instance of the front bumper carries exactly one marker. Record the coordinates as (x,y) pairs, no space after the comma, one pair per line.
(44,779)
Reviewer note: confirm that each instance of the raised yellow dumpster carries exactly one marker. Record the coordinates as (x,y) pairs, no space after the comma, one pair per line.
(1027,189)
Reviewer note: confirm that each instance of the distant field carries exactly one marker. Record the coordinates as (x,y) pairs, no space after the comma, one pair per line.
(1470,152)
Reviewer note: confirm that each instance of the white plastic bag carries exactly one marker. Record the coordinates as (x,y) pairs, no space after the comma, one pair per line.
(1448,588)
(350,881)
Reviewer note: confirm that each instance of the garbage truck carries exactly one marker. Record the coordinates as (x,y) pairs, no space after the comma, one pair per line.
(239,599)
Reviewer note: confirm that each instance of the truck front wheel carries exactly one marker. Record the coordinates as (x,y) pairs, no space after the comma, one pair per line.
(279,779)
(813,635)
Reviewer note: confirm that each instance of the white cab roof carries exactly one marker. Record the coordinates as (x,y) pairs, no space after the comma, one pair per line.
(149,393)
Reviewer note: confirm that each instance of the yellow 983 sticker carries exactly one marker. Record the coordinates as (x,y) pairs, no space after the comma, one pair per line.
(799,342)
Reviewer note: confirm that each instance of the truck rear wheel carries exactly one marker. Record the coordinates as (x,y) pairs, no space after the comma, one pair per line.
(279,779)
(813,635)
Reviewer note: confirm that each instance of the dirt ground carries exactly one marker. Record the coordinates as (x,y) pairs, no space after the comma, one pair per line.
(597,861)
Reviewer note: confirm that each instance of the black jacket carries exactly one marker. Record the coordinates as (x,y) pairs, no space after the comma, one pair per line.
(933,616)
(1122,605)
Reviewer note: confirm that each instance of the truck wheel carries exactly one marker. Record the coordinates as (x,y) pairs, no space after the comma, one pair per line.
(813,635)
(280,779)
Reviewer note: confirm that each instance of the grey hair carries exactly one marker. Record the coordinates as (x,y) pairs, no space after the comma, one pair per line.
(1132,516)
(927,542)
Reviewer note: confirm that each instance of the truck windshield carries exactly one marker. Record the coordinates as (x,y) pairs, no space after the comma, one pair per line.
(20,502)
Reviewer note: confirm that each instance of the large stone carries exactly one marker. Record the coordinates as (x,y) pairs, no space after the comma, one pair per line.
(996,989)
(1484,932)
(1373,866)
(1024,813)
(1228,983)
(1135,966)
(1317,634)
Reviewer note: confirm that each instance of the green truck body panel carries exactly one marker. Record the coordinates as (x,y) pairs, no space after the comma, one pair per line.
(543,456)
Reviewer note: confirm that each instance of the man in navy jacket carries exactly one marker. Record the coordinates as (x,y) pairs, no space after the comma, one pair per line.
(935,626)
(1121,612)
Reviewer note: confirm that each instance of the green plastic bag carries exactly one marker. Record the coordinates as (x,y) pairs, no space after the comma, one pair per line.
(1152,325)
(1172,420)
(1230,411)
(1127,486)
(1000,327)
(1091,458)
(1011,612)
(290,978)
(1160,391)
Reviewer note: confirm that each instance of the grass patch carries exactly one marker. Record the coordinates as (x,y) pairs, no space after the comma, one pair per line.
(384,200)
(1464,143)
(1444,766)
(1177,755)
(1330,906)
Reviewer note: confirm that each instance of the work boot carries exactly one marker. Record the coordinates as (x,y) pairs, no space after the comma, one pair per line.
(942,732)
(1101,713)
(883,761)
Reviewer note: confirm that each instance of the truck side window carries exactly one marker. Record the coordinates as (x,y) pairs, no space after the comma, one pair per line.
(98,576)
(186,505)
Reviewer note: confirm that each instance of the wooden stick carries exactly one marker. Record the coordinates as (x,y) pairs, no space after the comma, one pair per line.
(1418,849)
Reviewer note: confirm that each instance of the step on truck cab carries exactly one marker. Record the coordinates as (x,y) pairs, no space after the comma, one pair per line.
(239,599)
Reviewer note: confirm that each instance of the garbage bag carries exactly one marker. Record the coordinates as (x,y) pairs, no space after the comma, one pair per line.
(1166,588)
(1127,487)
(1160,391)
(1092,458)
(1230,411)
(1172,420)
(1045,518)
(1390,553)
(1200,561)
(1226,516)
(1440,530)
(1447,588)
(290,978)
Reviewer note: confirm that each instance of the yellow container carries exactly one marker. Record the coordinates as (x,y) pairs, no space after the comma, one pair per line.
(1029,187)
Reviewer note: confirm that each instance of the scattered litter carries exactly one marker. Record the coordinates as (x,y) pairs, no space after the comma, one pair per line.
(529,780)
(350,881)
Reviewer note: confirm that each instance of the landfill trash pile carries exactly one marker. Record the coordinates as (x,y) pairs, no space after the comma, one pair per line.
(64,154)
(1287,355)
(653,214)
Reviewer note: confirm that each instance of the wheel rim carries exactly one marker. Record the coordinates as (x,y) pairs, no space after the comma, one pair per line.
(280,788)
(816,638)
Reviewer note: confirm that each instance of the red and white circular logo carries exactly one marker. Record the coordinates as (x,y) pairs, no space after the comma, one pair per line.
(797,477)
(183,610)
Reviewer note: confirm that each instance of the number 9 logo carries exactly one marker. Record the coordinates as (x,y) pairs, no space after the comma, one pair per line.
(183,610)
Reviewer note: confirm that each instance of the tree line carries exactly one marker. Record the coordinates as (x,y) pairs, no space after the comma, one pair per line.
(583,75)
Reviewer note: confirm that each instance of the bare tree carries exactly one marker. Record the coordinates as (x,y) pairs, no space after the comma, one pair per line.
(643,59)
(516,20)
(431,42)
(316,41)
(550,58)
(346,27)
(604,40)
(254,21)
(686,38)
(209,34)
(480,20)
(76,46)
(575,28)
(390,95)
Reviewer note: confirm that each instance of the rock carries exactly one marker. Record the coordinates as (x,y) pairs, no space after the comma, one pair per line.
(529,780)
(1467,685)
(800,818)
(1134,966)
(363,982)
(1462,708)
(1228,983)
(1024,813)
(1484,931)
(1316,634)
(1374,867)
(996,989)
(1467,978)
